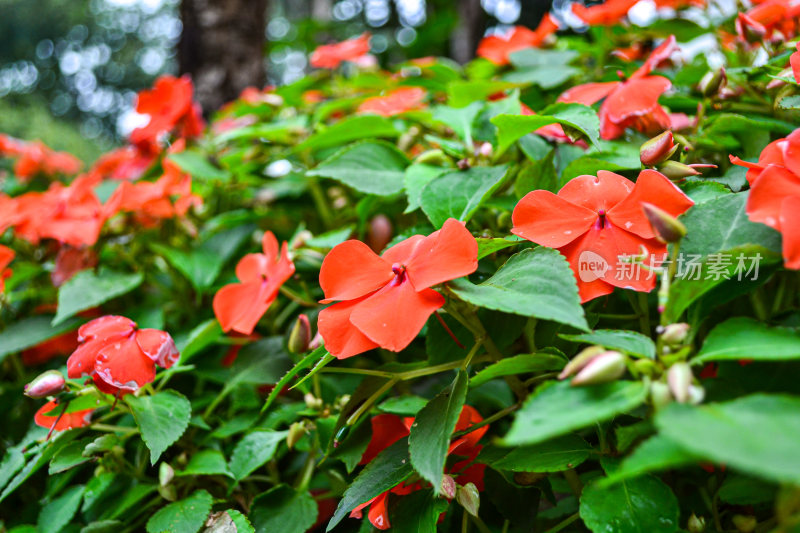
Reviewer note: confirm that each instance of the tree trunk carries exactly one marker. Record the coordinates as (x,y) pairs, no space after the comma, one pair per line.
(466,36)
(222,48)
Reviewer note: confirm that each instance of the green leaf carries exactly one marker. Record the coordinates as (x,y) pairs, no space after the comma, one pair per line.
(418,512)
(202,265)
(458,194)
(641,505)
(68,457)
(535,282)
(253,451)
(757,434)
(59,512)
(348,130)
(429,439)
(656,453)
(518,364)
(206,463)
(198,338)
(371,167)
(577,116)
(561,453)
(388,469)
(537,57)
(461,93)
(283,509)
(32,331)
(459,119)
(745,338)
(103,526)
(88,289)
(557,408)
(37,461)
(790,102)
(416,177)
(546,76)
(162,418)
(317,355)
(490,246)
(13,461)
(745,490)
(403,405)
(240,521)
(196,164)
(184,516)
(630,342)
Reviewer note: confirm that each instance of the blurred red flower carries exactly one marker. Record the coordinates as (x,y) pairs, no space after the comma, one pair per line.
(60,422)
(6,256)
(384,301)
(332,55)
(239,306)
(498,48)
(70,261)
(118,356)
(37,158)
(769,19)
(126,163)
(171,109)
(605,14)
(600,219)
(630,103)
(388,429)
(63,344)
(794,61)
(394,102)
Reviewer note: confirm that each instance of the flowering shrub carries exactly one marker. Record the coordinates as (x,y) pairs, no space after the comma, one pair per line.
(554,289)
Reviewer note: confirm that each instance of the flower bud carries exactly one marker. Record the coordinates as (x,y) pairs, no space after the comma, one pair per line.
(744,524)
(432,157)
(296,432)
(679,379)
(606,367)
(696,394)
(666,227)
(46,384)
(777,82)
(713,81)
(658,149)
(165,474)
(379,233)
(659,394)
(696,524)
(675,334)
(677,171)
(448,487)
(312,402)
(469,498)
(485,150)
(580,361)
(300,337)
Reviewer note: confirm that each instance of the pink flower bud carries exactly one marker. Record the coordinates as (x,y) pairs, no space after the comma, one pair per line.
(677,171)
(583,358)
(658,149)
(46,384)
(673,334)
(448,487)
(665,227)
(713,82)
(679,379)
(300,337)
(606,367)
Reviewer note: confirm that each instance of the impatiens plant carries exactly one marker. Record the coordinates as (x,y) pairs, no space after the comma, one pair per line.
(554,289)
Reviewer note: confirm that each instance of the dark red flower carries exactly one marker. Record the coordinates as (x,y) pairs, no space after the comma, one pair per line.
(395,102)
(239,306)
(388,429)
(384,301)
(49,417)
(170,107)
(118,356)
(631,103)
(332,55)
(595,221)
(70,261)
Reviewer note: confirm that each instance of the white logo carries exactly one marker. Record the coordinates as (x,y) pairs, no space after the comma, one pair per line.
(591,266)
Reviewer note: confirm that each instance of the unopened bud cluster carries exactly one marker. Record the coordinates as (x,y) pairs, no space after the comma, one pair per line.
(659,151)
(595,365)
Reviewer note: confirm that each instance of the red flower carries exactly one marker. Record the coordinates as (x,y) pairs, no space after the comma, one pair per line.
(170,106)
(394,102)
(239,306)
(631,103)
(385,300)
(332,55)
(388,429)
(767,18)
(553,132)
(126,163)
(595,220)
(775,192)
(37,158)
(76,419)
(63,344)
(605,14)
(70,261)
(70,214)
(794,61)
(498,48)
(118,356)
(6,256)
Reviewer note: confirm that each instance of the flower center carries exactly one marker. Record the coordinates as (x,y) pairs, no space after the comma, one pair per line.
(601,220)
(399,272)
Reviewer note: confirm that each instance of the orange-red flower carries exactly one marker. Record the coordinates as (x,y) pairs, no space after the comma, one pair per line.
(239,306)
(70,261)
(388,429)
(118,356)
(171,109)
(70,214)
(61,345)
(794,61)
(498,48)
(58,421)
(126,163)
(37,158)
(384,301)
(332,55)
(597,221)
(766,19)
(6,256)
(631,103)
(775,192)
(394,102)
(605,14)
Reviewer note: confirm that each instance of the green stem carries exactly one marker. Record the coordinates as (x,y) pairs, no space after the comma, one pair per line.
(369,401)
(564,523)
(320,202)
(481,525)
(488,420)
(293,296)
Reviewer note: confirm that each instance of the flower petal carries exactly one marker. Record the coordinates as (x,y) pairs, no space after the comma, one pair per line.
(598,193)
(342,338)
(549,220)
(661,53)
(653,187)
(106,327)
(239,306)
(394,316)
(767,193)
(158,346)
(791,151)
(403,250)
(443,255)
(352,270)
(588,93)
(123,365)
(252,268)
(76,419)
(378,513)
(81,362)
(790,224)
(386,430)
(635,97)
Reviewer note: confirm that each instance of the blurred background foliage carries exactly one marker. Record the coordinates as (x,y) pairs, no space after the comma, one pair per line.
(69,69)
